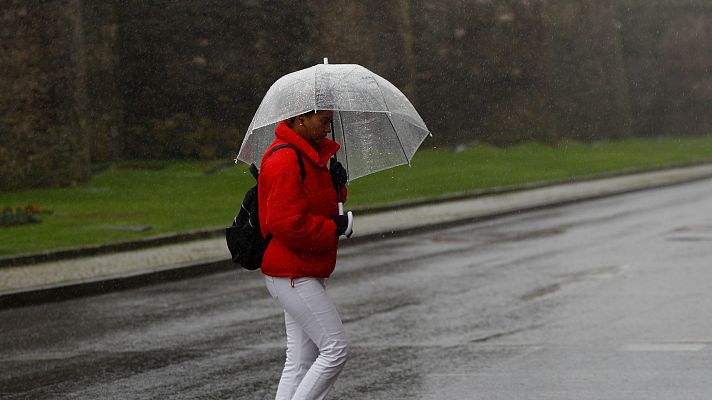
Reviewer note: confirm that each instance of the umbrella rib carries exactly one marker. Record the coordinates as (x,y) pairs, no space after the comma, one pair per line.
(333,83)
(388,110)
(343,135)
(400,142)
(388,116)
(350,72)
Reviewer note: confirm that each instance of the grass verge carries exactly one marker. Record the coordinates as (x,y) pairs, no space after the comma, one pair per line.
(132,200)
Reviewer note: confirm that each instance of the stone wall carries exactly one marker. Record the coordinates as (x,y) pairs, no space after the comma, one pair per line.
(42,140)
(667,49)
(497,71)
(195,72)
(101,80)
(587,78)
(483,70)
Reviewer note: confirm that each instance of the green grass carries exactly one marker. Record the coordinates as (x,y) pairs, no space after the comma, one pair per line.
(439,172)
(175,196)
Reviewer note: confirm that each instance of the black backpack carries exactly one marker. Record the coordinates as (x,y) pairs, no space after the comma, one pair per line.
(244,238)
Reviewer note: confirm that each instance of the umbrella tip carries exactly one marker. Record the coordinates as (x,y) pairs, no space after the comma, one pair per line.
(326,60)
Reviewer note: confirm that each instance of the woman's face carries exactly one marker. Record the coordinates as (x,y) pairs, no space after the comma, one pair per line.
(314,127)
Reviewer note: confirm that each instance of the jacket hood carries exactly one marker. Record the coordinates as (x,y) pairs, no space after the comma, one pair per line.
(320,158)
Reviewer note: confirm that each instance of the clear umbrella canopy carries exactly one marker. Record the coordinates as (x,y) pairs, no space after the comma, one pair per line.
(375,124)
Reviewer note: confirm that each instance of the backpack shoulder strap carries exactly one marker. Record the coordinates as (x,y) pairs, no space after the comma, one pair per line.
(299,157)
(254,171)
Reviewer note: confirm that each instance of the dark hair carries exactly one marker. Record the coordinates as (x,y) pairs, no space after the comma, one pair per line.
(290,121)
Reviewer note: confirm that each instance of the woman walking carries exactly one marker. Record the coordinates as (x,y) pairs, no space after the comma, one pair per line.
(300,212)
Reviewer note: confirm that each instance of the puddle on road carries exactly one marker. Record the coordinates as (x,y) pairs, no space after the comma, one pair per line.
(692,233)
(498,335)
(606,272)
(451,239)
(662,347)
(535,234)
(541,292)
(498,237)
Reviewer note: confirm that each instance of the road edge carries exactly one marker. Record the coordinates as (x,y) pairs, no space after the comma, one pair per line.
(71,290)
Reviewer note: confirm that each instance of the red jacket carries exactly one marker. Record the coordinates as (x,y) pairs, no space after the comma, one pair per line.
(299,214)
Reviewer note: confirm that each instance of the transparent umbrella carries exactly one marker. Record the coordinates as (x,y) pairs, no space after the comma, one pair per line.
(375,124)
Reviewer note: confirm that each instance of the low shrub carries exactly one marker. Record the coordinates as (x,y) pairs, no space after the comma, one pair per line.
(25,214)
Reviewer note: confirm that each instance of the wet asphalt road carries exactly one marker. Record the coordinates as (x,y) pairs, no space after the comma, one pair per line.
(608,299)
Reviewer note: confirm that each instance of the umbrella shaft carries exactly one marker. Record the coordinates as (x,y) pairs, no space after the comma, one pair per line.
(338,187)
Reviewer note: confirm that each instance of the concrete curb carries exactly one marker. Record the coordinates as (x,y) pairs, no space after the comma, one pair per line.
(69,290)
(60,292)
(86,251)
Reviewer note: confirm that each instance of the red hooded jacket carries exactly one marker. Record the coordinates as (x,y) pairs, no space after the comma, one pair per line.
(299,214)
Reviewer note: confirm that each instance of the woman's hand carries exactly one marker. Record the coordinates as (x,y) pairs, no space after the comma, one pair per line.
(344,224)
(339,176)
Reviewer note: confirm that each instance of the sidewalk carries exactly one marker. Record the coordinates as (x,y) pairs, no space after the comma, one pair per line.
(56,280)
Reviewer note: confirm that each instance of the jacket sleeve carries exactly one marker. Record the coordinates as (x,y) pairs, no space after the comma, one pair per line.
(288,217)
(344,193)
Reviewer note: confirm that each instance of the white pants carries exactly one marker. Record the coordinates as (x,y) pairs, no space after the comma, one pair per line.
(317,346)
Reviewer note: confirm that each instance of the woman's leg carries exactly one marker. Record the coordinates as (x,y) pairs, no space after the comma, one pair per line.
(301,353)
(312,310)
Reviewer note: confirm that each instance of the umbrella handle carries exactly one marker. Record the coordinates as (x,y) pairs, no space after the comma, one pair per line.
(350,227)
